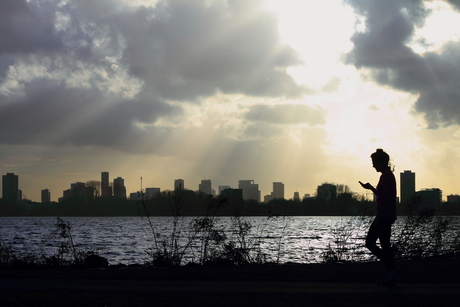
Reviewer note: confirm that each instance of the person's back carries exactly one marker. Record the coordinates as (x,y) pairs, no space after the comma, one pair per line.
(386,195)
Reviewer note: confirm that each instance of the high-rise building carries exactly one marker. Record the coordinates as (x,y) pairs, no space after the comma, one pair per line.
(296,196)
(407,185)
(205,186)
(250,190)
(46,196)
(179,184)
(106,190)
(10,188)
(119,189)
(278,190)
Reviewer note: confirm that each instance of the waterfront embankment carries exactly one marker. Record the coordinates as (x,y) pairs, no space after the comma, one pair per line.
(429,282)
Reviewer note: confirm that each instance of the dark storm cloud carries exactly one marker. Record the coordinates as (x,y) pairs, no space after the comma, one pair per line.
(382,49)
(26,28)
(286,114)
(455,4)
(195,48)
(56,115)
(87,57)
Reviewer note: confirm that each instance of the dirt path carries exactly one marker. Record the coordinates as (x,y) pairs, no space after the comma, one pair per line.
(423,283)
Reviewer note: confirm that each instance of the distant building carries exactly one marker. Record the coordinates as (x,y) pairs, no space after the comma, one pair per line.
(327,192)
(205,187)
(453,198)
(151,192)
(10,188)
(179,184)
(278,190)
(233,193)
(77,189)
(106,190)
(46,196)
(407,185)
(277,193)
(296,196)
(135,196)
(431,198)
(119,189)
(223,187)
(250,190)
(306,196)
(66,194)
(268,198)
(148,194)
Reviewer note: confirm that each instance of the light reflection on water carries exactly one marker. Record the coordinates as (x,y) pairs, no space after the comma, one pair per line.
(126,239)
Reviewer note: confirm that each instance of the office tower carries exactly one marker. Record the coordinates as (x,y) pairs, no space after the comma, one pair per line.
(106,191)
(250,190)
(296,196)
(407,185)
(205,186)
(119,189)
(46,196)
(278,190)
(10,188)
(179,184)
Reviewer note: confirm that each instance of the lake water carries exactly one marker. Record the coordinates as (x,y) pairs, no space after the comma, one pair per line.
(126,239)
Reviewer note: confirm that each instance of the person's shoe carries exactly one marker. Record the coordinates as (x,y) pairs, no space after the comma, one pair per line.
(392,273)
(390,279)
(382,281)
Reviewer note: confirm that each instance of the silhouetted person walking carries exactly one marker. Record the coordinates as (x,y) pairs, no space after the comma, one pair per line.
(385,217)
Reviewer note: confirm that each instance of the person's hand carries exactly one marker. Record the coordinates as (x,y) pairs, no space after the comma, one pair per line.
(366,185)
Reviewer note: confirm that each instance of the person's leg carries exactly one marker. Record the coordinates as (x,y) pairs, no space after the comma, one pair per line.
(381,229)
(387,256)
(372,235)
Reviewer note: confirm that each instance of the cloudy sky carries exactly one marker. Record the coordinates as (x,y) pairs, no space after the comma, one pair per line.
(300,92)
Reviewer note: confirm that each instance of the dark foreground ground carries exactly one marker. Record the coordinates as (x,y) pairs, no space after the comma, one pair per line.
(434,282)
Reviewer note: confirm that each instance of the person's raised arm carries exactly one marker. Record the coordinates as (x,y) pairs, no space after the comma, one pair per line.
(368,186)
